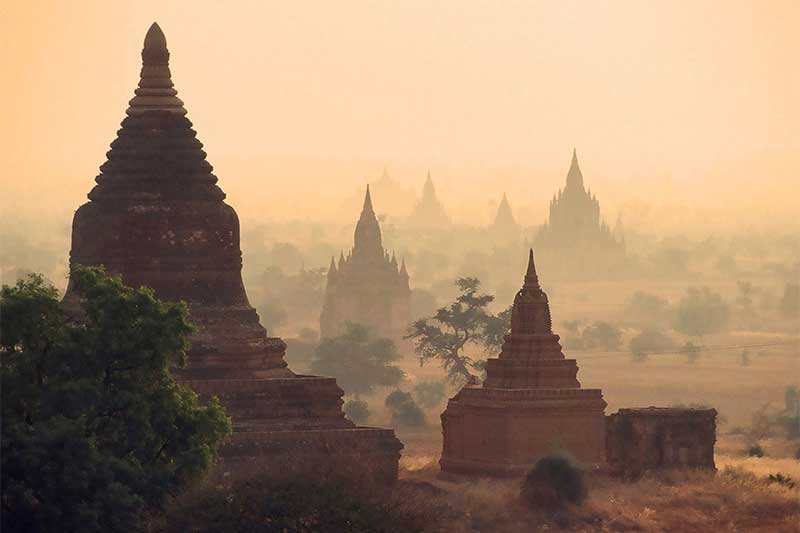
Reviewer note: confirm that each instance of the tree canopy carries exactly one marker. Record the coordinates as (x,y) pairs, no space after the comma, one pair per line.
(701,312)
(95,431)
(446,335)
(359,361)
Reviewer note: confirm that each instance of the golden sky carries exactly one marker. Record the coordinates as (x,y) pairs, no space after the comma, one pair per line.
(300,103)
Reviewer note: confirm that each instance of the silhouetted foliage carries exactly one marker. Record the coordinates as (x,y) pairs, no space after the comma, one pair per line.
(359,361)
(601,336)
(755,450)
(357,411)
(645,307)
(303,506)
(496,329)
(650,340)
(790,301)
(404,410)
(445,335)
(701,312)
(95,431)
(554,481)
(430,393)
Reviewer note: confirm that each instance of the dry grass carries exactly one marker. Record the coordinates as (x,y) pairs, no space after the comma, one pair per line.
(685,501)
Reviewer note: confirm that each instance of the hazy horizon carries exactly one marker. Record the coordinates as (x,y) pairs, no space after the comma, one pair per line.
(299,106)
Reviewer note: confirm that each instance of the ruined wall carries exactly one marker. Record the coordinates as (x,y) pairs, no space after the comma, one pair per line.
(656,438)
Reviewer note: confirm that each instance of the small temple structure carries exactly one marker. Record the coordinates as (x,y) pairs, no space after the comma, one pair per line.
(368,287)
(157,217)
(575,242)
(530,404)
(505,229)
(429,211)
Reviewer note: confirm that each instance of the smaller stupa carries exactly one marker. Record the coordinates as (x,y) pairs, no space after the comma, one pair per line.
(530,404)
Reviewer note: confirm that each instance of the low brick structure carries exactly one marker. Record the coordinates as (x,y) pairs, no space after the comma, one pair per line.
(655,438)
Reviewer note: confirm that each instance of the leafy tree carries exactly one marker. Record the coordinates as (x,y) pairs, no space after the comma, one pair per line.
(745,297)
(644,306)
(650,340)
(790,302)
(701,312)
(446,334)
(358,361)
(404,410)
(430,393)
(496,329)
(601,335)
(357,411)
(95,431)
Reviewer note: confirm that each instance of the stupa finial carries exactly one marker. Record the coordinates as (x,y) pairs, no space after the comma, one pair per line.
(531,278)
(155,91)
(368,201)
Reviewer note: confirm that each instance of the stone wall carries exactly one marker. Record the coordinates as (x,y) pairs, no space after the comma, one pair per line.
(655,438)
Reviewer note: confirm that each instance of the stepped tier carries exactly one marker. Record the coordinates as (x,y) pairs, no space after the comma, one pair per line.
(157,218)
(530,404)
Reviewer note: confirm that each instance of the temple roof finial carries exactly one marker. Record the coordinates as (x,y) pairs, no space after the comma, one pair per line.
(156,91)
(531,278)
(574,176)
(368,202)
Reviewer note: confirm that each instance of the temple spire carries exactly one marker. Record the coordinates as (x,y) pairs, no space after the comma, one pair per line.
(156,91)
(531,278)
(332,269)
(367,203)
(574,176)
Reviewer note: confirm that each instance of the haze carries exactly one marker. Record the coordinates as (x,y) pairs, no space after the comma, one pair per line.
(690,108)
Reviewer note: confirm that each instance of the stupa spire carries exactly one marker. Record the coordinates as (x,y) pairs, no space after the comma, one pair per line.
(368,242)
(574,175)
(531,278)
(156,91)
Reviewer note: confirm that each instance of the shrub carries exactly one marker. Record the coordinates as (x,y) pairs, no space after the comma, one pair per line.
(780,479)
(357,411)
(554,481)
(301,506)
(430,393)
(755,450)
(404,410)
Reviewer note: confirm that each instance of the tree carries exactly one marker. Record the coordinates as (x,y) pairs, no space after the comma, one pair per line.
(358,361)
(404,410)
(790,301)
(430,393)
(356,410)
(701,312)
(95,430)
(601,335)
(650,340)
(644,306)
(446,334)
(496,329)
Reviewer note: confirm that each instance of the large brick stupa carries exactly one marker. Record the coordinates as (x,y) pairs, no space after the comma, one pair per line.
(530,405)
(157,218)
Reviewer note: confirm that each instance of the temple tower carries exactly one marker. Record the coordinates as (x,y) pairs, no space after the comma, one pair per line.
(531,403)
(367,287)
(574,241)
(505,229)
(157,217)
(429,211)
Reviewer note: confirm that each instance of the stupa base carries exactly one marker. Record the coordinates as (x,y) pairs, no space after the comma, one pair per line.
(295,427)
(503,432)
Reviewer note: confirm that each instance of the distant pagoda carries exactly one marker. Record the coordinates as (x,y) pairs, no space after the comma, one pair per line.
(429,211)
(504,229)
(157,218)
(367,287)
(530,404)
(575,241)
